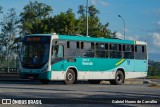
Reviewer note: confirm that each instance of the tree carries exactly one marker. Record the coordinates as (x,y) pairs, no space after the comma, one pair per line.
(96,29)
(0,38)
(33,17)
(81,10)
(8,34)
(153,68)
(65,23)
(93,11)
(1,9)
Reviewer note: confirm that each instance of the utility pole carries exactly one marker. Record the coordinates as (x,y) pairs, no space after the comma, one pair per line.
(87,18)
(123,23)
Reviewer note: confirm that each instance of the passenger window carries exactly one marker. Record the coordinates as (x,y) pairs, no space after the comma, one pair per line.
(87,45)
(82,45)
(68,44)
(140,52)
(106,46)
(77,45)
(92,45)
(139,48)
(143,49)
(57,51)
(100,50)
(128,51)
(73,45)
(113,47)
(120,48)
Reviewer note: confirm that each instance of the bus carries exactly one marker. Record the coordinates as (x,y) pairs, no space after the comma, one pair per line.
(68,58)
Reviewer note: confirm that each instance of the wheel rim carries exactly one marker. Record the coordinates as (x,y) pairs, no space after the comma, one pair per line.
(69,76)
(119,77)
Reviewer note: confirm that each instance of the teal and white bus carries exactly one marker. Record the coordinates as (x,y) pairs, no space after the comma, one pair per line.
(52,57)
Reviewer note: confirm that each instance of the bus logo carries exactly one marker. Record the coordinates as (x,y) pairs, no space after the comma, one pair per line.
(128,62)
(6,101)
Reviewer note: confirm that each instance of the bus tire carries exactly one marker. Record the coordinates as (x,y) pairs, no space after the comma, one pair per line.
(70,77)
(119,78)
(45,81)
(94,81)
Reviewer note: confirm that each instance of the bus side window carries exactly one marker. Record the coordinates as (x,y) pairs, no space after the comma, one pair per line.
(143,49)
(60,52)
(77,45)
(92,45)
(82,45)
(54,51)
(128,51)
(135,48)
(68,44)
(140,52)
(57,51)
(115,51)
(120,49)
(106,50)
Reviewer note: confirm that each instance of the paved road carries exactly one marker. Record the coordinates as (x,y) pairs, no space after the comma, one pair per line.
(82,90)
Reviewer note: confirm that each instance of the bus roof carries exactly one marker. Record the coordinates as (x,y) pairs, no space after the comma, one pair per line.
(40,35)
(92,39)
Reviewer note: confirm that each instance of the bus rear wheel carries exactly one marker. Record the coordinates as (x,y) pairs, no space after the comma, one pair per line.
(70,77)
(119,78)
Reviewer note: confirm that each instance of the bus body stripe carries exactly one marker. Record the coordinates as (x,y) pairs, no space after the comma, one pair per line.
(121,61)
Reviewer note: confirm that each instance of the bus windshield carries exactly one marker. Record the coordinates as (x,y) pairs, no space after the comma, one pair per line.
(35,54)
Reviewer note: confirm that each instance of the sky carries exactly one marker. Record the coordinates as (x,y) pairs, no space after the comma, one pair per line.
(141,17)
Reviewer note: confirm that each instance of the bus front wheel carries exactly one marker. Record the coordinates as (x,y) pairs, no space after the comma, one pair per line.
(70,77)
(119,78)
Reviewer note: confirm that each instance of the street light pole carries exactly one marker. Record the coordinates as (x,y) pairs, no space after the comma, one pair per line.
(87,18)
(123,23)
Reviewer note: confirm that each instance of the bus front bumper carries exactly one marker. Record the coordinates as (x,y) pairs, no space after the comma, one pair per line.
(36,76)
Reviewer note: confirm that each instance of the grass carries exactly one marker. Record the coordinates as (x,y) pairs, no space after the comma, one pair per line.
(154,85)
(153,77)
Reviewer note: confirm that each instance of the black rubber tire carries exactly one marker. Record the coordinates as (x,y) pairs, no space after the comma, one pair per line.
(45,81)
(119,78)
(94,81)
(70,77)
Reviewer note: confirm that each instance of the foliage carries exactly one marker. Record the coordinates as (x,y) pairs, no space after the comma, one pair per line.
(1,9)
(9,31)
(154,68)
(34,16)
(96,28)
(65,23)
